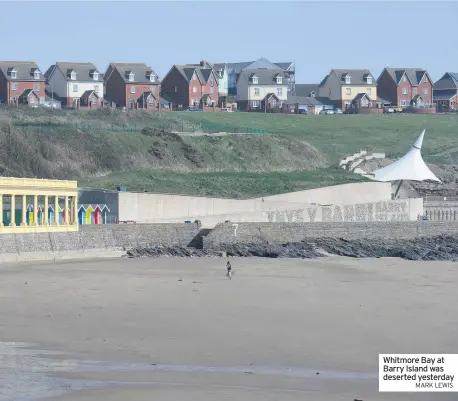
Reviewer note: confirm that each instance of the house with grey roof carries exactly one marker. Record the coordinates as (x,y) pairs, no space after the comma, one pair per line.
(406,87)
(234,69)
(191,85)
(307,90)
(79,85)
(343,87)
(132,85)
(311,104)
(445,92)
(21,82)
(261,88)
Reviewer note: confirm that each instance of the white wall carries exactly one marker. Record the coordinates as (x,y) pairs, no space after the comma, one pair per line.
(247,92)
(64,88)
(150,208)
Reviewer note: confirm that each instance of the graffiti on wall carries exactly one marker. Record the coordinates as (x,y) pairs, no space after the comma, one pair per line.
(373,211)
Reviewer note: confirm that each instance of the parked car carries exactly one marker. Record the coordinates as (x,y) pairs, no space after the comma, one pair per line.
(338,111)
(389,110)
(326,111)
(302,111)
(227,109)
(193,108)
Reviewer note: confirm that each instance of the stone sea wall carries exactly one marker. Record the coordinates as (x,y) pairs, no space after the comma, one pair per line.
(280,233)
(95,239)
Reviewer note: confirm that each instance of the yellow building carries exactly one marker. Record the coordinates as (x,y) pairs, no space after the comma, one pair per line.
(347,88)
(37,205)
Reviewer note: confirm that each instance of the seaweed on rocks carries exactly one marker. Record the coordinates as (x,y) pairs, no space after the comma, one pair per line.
(442,247)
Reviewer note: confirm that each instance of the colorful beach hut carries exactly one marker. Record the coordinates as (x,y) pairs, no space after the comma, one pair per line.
(92,214)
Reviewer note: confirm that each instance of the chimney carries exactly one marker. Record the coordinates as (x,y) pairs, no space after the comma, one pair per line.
(202,63)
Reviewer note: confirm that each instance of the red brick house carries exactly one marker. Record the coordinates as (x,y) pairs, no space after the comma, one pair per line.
(409,87)
(446,93)
(21,82)
(132,85)
(191,85)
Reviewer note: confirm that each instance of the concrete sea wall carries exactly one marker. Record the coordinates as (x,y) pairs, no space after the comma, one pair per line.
(280,233)
(93,241)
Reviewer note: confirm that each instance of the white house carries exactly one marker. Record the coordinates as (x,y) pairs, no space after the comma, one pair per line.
(76,84)
(261,88)
(223,82)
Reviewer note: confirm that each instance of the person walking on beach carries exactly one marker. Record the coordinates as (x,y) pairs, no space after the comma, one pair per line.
(229,270)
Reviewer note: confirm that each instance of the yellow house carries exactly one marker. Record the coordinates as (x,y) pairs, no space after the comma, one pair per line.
(350,88)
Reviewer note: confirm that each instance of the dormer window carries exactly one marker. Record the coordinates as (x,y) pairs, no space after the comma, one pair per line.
(348,80)
(255,79)
(36,75)
(73,75)
(279,80)
(312,94)
(13,73)
(95,76)
(152,77)
(369,79)
(131,76)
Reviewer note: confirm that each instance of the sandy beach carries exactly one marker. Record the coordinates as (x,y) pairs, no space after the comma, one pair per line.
(178,329)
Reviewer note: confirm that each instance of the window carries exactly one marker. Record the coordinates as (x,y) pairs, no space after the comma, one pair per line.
(194,89)
(348,91)
(13,74)
(31,100)
(36,74)
(212,89)
(131,77)
(425,79)
(95,76)
(203,89)
(348,80)
(255,103)
(255,80)
(73,76)
(36,87)
(425,91)
(369,80)
(132,89)
(404,91)
(415,90)
(13,87)
(312,94)
(256,91)
(175,89)
(279,80)
(404,79)
(279,91)
(96,88)
(75,88)
(369,91)
(152,78)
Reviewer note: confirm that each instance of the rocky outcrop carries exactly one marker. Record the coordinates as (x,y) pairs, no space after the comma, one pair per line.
(423,248)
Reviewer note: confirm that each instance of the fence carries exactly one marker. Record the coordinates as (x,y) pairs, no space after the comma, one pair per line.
(204,126)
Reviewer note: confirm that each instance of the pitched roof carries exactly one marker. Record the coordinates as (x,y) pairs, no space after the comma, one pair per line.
(141,73)
(306,89)
(444,94)
(359,96)
(266,77)
(25,70)
(448,81)
(414,75)
(358,77)
(83,71)
(203,74)
(261,62)
(88,93)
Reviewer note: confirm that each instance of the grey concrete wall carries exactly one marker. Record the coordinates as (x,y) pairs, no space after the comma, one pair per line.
(244,233)
(99,237)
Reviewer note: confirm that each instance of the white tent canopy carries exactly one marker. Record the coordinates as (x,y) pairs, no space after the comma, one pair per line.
(409,167)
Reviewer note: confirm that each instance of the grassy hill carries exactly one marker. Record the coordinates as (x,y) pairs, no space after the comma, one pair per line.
(105,148)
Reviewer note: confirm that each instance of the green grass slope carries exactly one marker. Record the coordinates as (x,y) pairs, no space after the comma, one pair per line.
(105,148)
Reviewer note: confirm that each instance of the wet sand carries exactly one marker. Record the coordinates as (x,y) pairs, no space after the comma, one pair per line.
(168,329)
